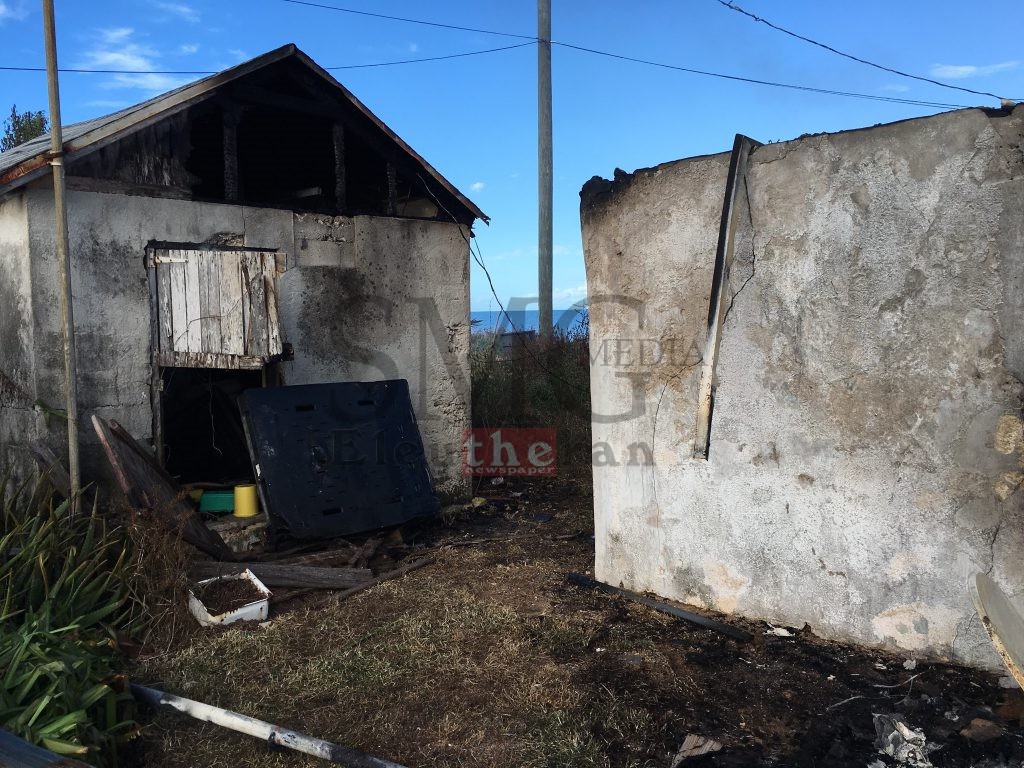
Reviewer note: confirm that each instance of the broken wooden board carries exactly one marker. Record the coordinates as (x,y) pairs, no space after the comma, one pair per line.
(1003,623)
(276,575)
(147,487)
(51,468)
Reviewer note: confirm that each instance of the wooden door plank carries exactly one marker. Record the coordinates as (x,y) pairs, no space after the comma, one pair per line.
(192,293)
(270,288)
(164,309)
(179,312)
(256,329)
(209,300)
(231,326)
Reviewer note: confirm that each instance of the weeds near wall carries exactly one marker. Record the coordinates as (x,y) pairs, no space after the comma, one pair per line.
(64,581)
(537,383)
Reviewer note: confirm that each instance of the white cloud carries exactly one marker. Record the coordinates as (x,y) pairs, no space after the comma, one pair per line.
(896,88)
(239,54)
(570,294)
(476,186)
(960,71)
(188,49)
(12,11)
(180,10)
(116,48)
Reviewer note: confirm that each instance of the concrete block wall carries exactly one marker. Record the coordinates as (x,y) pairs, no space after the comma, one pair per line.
(866,454)
(338,311)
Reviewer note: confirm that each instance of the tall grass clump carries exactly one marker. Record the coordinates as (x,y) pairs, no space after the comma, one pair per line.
(64,583)
(537,383)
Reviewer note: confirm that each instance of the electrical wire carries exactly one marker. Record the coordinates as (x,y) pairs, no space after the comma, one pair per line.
(733,7)
(755,81)
(212,72)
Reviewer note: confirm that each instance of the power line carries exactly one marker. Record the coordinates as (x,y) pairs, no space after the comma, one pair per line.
(211,72)
(755,81)
(733,7)
(434,58)
(409,21)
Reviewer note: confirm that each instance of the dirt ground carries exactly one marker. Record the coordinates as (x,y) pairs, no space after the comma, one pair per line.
(489,657)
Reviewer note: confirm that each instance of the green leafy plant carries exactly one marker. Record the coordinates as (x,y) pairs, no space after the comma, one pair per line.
(64,585)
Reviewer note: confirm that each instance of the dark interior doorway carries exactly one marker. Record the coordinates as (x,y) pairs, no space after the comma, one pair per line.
(204,441)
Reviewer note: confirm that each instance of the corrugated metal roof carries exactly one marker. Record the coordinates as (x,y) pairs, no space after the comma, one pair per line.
(27,161)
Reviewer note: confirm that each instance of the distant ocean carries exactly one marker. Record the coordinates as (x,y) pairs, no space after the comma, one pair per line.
(523,320)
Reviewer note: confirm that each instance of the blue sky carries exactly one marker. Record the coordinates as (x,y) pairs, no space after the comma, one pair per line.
(475,118)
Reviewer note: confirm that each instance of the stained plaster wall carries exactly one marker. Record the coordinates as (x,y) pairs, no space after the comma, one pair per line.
(866,447)
(20,419)
(381,298)
(109,234)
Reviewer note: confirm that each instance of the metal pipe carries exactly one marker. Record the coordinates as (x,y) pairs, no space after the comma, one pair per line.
(545,189)
(63,251)
(272,734)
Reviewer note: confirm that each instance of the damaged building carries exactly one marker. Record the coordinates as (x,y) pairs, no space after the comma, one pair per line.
(808,400)
(257,228)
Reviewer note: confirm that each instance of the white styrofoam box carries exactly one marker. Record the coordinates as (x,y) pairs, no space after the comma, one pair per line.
(254,611)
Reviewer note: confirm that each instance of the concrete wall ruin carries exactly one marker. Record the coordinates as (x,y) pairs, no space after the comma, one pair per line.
(866,450)
(347,300)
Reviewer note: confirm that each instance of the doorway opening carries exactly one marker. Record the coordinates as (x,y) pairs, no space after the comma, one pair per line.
(204,441)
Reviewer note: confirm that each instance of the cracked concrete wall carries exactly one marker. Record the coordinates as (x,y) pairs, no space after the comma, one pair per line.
(347,298)
(866,450)
(383,298)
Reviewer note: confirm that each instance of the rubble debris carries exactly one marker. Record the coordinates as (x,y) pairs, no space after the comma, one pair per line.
(906,745)
(980,729)
(910,664)
(278,575)
(694,618)
(147,486)
(694,745)
(268,732)
(779,631)
(51,468)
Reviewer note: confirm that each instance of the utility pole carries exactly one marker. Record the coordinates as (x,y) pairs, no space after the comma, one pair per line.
(63,257)
(544,166)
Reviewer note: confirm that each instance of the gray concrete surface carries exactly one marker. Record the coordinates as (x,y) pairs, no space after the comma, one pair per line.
(866,450)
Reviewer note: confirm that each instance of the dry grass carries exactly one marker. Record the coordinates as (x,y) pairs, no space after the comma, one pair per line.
(488,658)
(460,664)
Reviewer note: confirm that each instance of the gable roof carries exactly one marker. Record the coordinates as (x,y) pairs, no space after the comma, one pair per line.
(28,161)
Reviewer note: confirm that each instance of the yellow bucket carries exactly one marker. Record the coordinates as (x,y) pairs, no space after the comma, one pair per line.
(246,504)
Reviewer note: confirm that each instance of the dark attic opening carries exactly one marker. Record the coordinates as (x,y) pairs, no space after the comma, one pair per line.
(204,441)
(285,158)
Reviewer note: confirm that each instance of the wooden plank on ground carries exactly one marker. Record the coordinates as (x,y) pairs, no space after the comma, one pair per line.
(277,575)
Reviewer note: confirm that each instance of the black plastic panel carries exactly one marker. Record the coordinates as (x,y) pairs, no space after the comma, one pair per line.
(335,459)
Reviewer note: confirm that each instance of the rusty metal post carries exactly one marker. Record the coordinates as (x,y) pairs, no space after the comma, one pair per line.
(63,251)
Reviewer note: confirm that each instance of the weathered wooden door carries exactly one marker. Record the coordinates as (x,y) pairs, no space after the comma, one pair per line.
(214,308)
